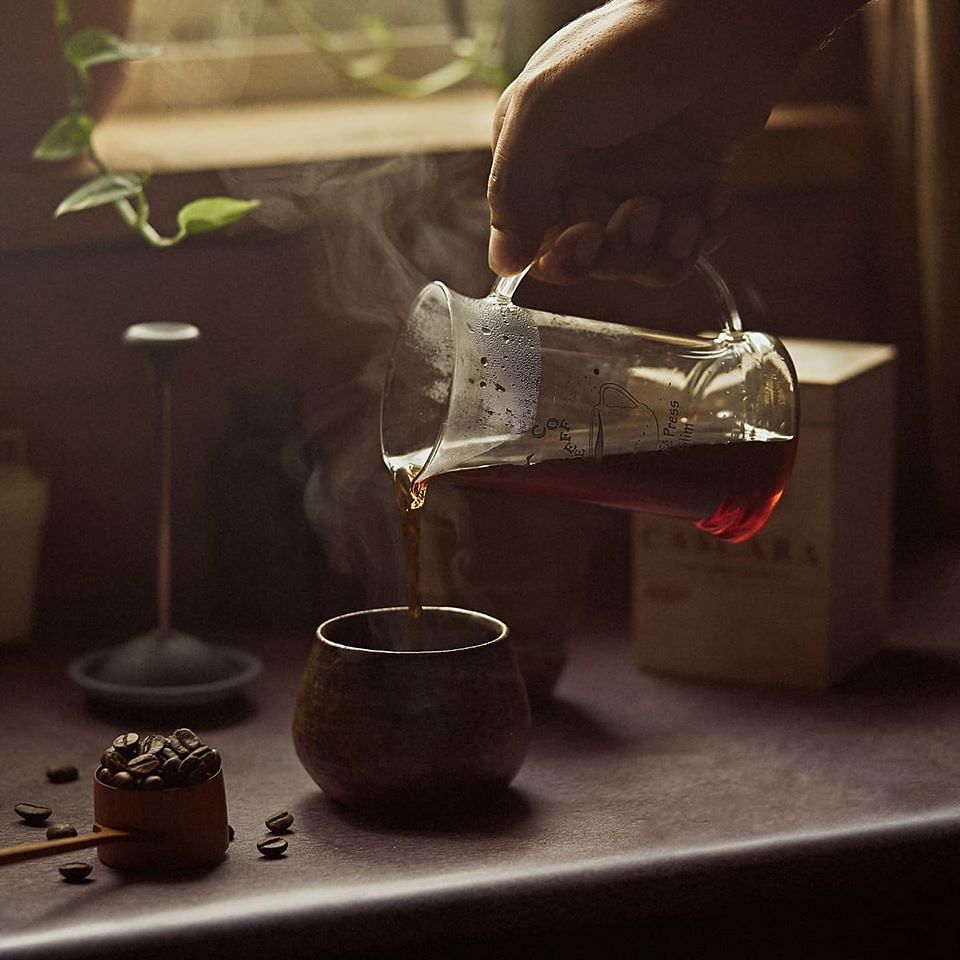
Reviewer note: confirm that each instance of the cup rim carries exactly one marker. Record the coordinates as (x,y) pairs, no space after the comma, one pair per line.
(502,631)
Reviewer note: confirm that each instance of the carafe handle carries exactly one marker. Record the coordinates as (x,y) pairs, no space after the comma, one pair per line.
(506,287)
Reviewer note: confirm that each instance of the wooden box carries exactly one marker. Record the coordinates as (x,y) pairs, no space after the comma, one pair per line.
(805,601)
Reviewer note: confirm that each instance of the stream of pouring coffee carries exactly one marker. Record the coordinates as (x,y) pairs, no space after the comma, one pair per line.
(410,496)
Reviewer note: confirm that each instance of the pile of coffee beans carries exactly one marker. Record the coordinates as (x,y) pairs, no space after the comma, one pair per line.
(155,761)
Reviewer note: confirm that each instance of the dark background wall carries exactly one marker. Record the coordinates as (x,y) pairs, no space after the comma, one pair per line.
(314,308)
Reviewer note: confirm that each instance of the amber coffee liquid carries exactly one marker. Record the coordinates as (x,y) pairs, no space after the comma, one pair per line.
(727,489)
(410,498)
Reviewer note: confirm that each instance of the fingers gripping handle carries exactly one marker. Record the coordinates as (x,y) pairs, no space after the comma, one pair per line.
(506,287)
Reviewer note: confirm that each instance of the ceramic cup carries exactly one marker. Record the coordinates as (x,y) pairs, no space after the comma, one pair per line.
(381,727)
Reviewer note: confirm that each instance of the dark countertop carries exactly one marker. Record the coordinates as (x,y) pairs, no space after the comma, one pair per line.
(675,812)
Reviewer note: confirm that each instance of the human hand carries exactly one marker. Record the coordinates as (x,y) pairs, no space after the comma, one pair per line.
(611,146)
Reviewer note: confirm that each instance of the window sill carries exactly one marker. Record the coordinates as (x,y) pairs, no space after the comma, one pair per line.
(298,132)
(802,147)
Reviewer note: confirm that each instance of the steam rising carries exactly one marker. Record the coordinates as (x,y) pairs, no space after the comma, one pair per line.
(377,232)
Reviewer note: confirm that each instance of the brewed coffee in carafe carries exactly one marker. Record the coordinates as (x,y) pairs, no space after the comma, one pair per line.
(487,392)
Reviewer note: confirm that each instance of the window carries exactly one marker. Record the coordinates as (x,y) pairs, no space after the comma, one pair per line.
(265,51)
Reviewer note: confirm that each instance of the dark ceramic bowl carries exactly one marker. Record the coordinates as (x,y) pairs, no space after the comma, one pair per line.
(381,727)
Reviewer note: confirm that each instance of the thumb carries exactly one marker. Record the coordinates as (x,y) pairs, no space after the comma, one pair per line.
(522,188)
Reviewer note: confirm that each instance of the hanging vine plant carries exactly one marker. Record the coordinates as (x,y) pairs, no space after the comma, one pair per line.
(72,136)
(472,55)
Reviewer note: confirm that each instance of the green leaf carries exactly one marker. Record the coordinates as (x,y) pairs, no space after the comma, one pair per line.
(68,137)
(377,31)
(367,67)
(101,190)
(381,38)
(88,47)
(212,213)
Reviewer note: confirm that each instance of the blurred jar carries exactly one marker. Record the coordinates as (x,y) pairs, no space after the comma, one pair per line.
(266,569)
(524,560)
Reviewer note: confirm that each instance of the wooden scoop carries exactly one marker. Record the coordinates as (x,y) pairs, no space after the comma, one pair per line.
(170,829)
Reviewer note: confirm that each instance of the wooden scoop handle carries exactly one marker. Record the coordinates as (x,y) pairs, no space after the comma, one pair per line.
(47,848)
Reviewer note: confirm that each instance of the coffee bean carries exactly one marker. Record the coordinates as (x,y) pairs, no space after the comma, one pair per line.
(170,770)
(124,780)
(65,773)
(114,759)
(104,775)
(195,764)
(76,871)
(196,776)
(127,743)
(188,768)
(143,763)
(272,847)
(57,830)
(279,822)
(187,737)
(153,744)
(210,762)
(153,782)
(33,813)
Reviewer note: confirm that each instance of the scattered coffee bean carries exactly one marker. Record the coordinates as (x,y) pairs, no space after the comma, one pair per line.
(279,822)
(57,830)
(124,780)
(76,871)
(128,744)
(143,763)
(272,847)
(33,813)
(65,773)
(231,833)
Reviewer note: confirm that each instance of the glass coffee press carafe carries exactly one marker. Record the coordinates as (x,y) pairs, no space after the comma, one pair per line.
(506,397)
